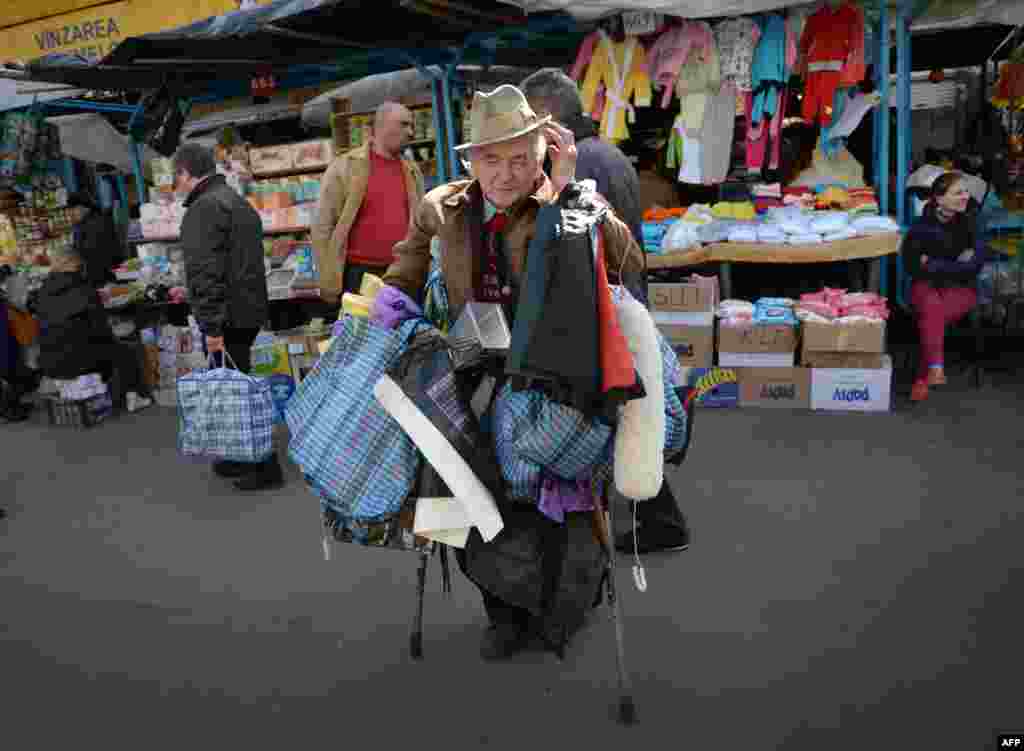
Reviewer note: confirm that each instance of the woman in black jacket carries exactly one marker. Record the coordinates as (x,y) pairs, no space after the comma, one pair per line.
(943,254)
(76,337)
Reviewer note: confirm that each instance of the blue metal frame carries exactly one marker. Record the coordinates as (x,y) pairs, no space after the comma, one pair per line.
(903,132)
(882,162)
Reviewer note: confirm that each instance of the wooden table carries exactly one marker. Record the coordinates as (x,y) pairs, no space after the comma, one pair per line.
(869,248)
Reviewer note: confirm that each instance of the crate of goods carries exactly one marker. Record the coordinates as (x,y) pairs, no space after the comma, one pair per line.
(313,154)
(750,345)
(835,338)
(79,413)
(271,159)
(684,314)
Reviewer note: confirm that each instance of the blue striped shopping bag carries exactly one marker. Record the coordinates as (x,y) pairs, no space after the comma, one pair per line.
(224,414)
(352,453)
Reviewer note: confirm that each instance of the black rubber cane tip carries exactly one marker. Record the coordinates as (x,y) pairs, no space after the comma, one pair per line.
(416,646)
(627,711)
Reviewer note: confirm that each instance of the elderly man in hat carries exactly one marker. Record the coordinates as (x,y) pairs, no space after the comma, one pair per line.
(501,202)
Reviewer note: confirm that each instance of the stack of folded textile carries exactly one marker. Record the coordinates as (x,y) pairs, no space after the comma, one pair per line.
(862,202)
(735,312)
(838,306)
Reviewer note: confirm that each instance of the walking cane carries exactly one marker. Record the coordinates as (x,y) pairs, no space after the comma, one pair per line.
(416,639)
(603,525)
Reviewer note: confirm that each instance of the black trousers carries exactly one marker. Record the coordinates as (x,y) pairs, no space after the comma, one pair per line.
(238,344)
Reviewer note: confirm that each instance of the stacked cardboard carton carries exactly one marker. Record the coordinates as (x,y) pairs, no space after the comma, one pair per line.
(813,366)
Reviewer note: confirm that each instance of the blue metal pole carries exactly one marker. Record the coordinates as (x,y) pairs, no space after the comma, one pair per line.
(70,181)
(140,179)
(440,144)
(883,163)
(446,95)
(903,134)
(139,172)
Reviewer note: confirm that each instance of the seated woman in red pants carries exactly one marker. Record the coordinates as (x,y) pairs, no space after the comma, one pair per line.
(943,254)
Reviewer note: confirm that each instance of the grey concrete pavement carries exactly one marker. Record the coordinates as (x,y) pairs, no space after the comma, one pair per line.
(855,582)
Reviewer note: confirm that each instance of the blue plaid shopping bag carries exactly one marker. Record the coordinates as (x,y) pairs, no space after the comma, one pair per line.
(226,415)
(533,432)
(352,453)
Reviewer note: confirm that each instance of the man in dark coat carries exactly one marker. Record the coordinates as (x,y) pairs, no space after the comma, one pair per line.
(661,524)
(222,237)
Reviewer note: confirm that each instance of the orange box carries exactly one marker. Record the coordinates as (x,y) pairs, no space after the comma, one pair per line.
(256,201)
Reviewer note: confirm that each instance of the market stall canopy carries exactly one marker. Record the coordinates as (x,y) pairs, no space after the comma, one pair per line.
(593,9)
(961,14)
(289,33)
(366,94)
(16,94)
(91,138)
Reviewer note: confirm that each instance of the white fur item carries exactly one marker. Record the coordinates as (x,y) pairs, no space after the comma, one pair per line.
(640,437)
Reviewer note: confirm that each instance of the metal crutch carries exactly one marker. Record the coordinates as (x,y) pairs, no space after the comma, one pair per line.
(627,706)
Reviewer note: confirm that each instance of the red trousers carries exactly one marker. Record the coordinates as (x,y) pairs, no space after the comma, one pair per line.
(819,91)
(935,309)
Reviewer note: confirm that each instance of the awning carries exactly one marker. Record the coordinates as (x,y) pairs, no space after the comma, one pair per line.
(589,10)
(368,93)
(290,33)
(260,113)
(16,94)
(91,138)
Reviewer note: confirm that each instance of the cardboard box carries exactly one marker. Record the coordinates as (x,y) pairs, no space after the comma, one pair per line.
(681,298)
(847,360)
(824,337)
(694,345)
(313,154)
(271,359)
(713,387)
(752,360)
(775,387)
(757,340)
(852,390)
(271,159)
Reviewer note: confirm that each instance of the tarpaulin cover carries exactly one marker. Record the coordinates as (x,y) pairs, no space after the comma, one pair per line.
(91,138)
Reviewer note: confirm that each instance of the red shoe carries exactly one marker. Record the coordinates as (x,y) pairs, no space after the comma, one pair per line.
(919,392)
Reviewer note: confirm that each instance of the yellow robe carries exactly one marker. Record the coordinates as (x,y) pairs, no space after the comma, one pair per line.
(621,67)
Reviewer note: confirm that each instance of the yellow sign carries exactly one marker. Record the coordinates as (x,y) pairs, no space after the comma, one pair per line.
(96,30)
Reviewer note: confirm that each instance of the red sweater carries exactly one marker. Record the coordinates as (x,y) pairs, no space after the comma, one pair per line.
(383,219)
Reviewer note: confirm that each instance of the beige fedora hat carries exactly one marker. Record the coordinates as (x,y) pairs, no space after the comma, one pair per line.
(502,115)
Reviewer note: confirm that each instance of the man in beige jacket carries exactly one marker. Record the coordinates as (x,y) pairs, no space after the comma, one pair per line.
(367,201)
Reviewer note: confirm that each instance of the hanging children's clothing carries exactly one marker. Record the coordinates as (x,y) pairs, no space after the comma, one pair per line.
(620,67)
(737,39)
(717,134)
(771,66)
(583,59)
(670,52)
(764,141)
(827,45)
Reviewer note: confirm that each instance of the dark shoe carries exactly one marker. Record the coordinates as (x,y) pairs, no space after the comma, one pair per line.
(267,476)
(233,469)
(654,538)
(2,513)
(503,640)
(15,412)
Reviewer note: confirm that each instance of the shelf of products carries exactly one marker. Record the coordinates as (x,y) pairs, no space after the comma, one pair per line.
(289,173)
(174,239)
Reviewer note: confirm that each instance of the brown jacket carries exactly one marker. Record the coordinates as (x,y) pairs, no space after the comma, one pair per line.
(442,214)
(341,196)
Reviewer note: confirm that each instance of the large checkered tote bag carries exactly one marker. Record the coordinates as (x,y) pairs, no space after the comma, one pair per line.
(224,414)
(352,453)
